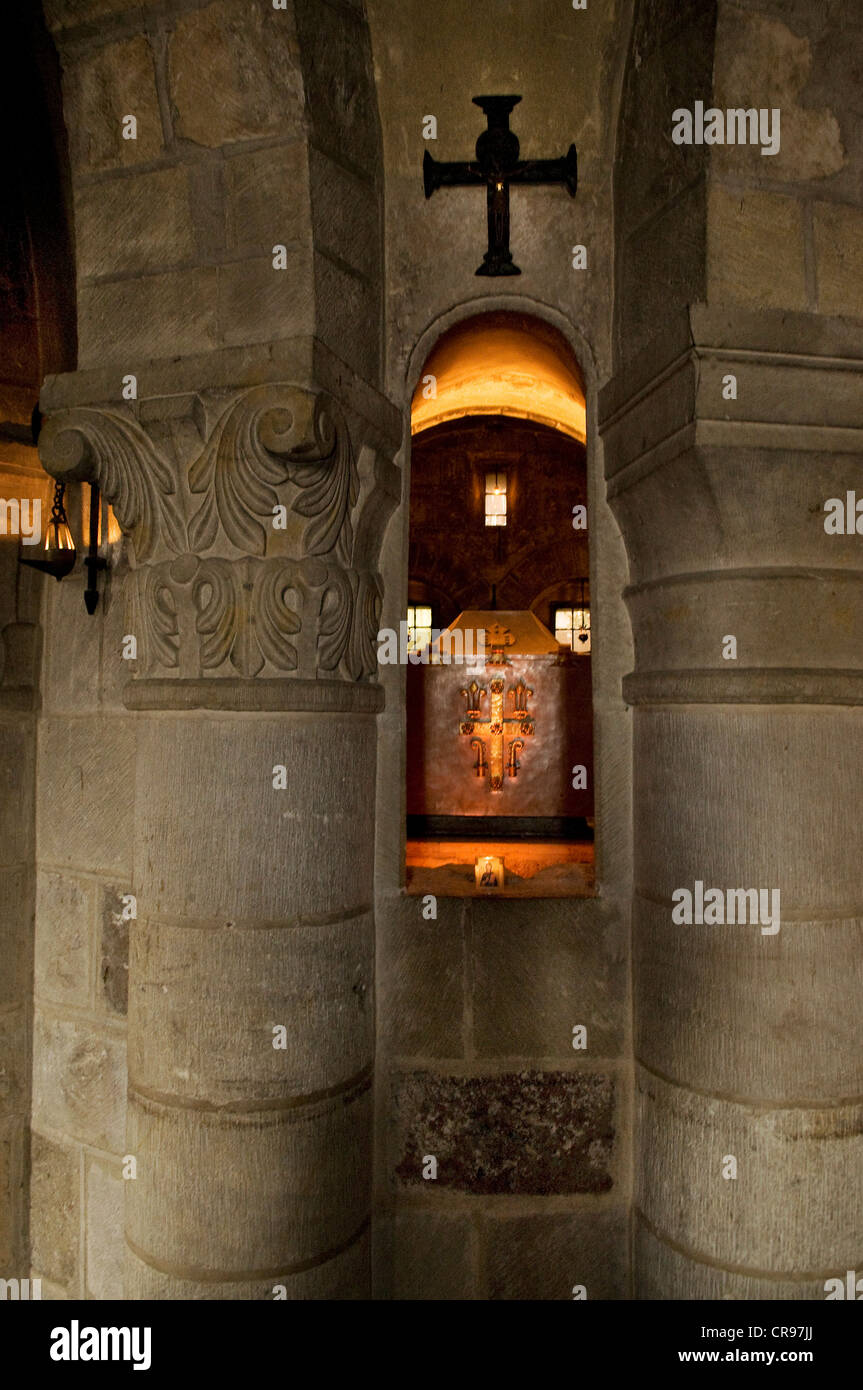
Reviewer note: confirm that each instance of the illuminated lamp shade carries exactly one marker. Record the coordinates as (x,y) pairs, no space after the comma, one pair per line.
(501,364)
(57,555)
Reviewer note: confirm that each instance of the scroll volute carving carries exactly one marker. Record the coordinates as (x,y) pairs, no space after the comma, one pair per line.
(254,558)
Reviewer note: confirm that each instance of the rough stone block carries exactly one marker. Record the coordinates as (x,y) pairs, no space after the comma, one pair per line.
(345,213)
(55,1210)
(741,759)
(87,781)
(661,1272)
(188,1039)
(538,973)
(760,62)
(420,975)
(258,303)
(14,1063)
(662,263)
(113,987)
(64,916)
(345,1276)
(348,317)
(330,766)
(135,223)
(755,249)
(234,73)
(72,646)
(279,1186)
(16,925)
(544,1257)
(267,199)
(104,1230)
(784,1044)
(341,98)
(795,1202)
(16,790)
(527,1132)
(100,87)
(67,14)
(123,322)
(432,1256)
(79,1082)
(839,259)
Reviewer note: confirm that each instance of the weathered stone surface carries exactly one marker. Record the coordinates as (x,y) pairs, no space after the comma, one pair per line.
(86,778)
(534,979)
(273,869)
(761,63)
(80,650)
(55,1210)
(420,972)
(528,1132)
(67,14)
(123,322)
(16,926)
(338,75)
(839,258)
(768,842)
(233,72)
(102,86)
(104,1222)
(135,223)
(345,215)
(661,1272)
(784,1044)
(257,302)
(14,1062)
(315,981)
(16,790)
(544,1257)
(755,249)
(113,985)
(266,198)
(343,1277)
(79,1082)
(64,918)
(347,312)
(281,1186)
(795,1202)
(428,1255)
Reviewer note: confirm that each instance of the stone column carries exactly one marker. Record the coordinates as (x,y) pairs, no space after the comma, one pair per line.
(747,773)
(255,515)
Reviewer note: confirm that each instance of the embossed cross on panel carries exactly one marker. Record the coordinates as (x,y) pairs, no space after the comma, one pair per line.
(488,736)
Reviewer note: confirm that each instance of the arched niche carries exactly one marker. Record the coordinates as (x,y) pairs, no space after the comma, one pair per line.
(503,775)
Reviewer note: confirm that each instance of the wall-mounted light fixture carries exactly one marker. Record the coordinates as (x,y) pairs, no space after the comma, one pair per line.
(495,499)
(572,623)
(58,554)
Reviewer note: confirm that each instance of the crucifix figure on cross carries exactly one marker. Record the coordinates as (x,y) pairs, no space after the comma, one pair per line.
(497,165)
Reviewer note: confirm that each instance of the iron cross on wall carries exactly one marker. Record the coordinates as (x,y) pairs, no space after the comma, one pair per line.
(497,165)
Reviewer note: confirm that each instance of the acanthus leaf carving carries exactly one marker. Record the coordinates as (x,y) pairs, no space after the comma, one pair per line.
(239,470)
(114,451)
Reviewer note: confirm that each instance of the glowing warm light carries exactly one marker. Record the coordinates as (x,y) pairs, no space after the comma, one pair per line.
(501,364)
(114,533)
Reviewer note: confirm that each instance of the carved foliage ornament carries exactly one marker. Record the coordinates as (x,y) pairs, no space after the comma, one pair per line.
(245,557)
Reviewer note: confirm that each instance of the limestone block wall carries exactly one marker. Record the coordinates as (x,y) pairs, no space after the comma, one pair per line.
(242,144)
(86,791)
(20,639)
(784,230)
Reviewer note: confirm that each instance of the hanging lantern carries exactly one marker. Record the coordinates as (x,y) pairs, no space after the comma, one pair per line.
(57,556)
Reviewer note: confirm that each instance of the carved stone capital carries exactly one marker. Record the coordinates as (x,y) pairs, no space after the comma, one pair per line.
(255,520)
